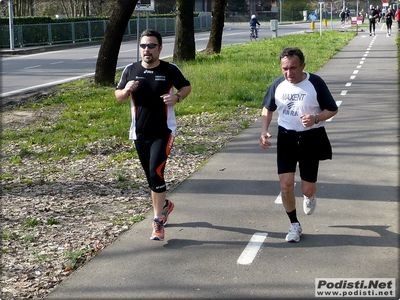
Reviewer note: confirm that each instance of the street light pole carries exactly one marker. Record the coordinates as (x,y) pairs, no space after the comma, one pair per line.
(11,24)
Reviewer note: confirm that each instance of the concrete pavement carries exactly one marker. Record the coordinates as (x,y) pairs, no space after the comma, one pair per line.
(353,233)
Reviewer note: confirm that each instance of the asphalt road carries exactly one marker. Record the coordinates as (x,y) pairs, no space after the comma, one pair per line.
(24,73)
(225,238)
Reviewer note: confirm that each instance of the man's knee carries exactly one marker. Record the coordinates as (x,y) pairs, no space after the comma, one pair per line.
(308,189)
(287,184)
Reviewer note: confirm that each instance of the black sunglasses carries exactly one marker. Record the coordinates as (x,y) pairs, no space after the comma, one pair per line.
(150,46)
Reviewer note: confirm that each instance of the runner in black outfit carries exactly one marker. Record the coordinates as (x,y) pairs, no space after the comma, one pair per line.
(372,15)
(150,85)
(389,16)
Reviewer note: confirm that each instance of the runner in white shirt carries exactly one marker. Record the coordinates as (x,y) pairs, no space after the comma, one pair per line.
(303,102)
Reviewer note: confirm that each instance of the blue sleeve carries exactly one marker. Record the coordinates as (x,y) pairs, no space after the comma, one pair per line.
(324,96)
(269,98)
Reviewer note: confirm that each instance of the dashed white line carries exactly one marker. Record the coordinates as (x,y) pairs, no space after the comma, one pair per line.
(338,103)
(348,84)
(57,62)
(343,93)
(32,67)
(252,248)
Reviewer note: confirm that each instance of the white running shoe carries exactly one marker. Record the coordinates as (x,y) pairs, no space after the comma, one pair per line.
(309,204)
(294,233)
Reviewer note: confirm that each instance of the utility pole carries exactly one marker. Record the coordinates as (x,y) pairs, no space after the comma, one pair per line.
(11,24)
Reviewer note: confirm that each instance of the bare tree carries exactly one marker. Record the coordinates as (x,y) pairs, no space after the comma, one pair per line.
(108,54)
(22,8)
(76,8)
(217,26)
(165,6)
(185,47)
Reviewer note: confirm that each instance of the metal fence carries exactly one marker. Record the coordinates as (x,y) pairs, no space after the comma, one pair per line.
(75,32)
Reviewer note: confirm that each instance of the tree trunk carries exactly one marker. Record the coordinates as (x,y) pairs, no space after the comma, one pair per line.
(108,54)
(217,26)
(185,47)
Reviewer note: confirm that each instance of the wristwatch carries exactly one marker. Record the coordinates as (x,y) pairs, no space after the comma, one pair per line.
(316,119)
(179,97)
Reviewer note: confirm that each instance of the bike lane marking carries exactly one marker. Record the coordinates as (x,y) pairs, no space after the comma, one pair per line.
(252,248)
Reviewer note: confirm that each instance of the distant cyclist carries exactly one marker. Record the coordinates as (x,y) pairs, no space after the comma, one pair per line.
(253,25)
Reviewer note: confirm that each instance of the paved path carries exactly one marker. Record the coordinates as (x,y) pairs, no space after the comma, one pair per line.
(353,233)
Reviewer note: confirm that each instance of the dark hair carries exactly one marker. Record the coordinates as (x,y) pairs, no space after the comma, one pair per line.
(290,52)
(151,32)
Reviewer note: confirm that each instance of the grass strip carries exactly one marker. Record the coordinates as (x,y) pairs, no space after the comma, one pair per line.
(88,119)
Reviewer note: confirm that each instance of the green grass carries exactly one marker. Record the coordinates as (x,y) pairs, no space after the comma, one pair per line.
(90,120)
(31,222)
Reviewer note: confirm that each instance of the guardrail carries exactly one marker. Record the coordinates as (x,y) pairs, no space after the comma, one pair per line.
(75,32)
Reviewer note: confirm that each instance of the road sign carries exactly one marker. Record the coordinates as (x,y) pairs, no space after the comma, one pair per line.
(145,5)
(313,17)
(356,20)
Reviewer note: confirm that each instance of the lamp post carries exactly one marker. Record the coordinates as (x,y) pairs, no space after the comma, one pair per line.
(11,24)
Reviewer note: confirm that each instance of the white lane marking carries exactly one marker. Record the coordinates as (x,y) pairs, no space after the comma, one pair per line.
(352,77)
(348,84)
(343,93)
(30,55)
(57,62)
(36,87)
(278,199)
(252,248)
(32,67)
(355,72)
(338,103)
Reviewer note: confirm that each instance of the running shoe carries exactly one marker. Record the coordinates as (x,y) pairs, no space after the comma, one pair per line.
(167,209)
(309,204)
(158,230)
(294,233)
